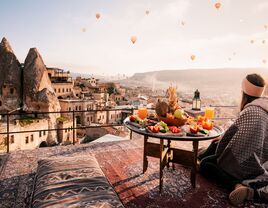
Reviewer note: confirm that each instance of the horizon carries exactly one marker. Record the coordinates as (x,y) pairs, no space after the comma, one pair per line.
(69,36)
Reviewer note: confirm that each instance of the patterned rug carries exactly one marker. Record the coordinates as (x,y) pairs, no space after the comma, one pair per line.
(136,190)
(121,162)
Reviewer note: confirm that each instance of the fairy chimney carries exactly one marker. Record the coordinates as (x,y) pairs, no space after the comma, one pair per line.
(39,95)
(10,78)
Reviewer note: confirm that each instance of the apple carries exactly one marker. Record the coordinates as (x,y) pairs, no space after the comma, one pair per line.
(178,113)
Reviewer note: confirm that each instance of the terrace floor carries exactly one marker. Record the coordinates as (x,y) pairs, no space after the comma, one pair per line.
(121,162)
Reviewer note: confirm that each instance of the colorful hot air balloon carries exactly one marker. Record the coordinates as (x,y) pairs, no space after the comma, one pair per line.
(147,12)
(193,57)
(98,15)
(217,5)
(133,39)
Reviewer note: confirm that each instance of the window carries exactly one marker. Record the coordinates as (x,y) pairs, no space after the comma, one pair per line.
(67,90)
(76,108)
(59,90)
(91,118)
(65,130)
(0,103)
(87,118)
(26,140)
(44,133)
(70,90)
(70,109)
(80,108)
(12,139)
(62,89)
(40,133)
(11,91)
(32,138)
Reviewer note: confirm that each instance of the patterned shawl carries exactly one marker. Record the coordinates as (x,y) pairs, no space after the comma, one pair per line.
(244,147)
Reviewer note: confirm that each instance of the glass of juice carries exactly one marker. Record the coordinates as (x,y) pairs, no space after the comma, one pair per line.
(209,113)
(142,114)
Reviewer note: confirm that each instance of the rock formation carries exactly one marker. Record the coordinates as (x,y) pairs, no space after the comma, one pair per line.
(38,92)
(10,78)
(39,95)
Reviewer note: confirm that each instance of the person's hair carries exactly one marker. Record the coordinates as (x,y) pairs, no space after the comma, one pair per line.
(255,79)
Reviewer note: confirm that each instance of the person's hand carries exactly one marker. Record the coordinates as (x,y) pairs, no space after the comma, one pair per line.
(217,140)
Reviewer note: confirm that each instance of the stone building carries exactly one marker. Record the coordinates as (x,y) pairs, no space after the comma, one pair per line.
(62,82)
(82,118)
(29,140)
(65,131)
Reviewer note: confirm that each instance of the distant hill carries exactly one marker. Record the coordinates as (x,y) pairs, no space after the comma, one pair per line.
(209,81)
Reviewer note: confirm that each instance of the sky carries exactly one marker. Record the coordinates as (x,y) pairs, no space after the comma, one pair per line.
(68,35)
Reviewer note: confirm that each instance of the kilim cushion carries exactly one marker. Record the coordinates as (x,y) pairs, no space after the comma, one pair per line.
(72,182)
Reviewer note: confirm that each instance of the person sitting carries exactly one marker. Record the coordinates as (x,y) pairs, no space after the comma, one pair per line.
(240,154)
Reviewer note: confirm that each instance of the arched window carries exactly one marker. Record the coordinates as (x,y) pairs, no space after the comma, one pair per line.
(11,91)
(0,103)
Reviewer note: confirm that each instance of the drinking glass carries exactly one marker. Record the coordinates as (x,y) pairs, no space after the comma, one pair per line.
(142,114)
(209,113)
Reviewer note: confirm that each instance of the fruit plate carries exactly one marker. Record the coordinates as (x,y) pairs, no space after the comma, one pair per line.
(173,121)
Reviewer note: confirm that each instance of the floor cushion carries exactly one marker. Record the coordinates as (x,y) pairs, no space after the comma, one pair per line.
(72,182)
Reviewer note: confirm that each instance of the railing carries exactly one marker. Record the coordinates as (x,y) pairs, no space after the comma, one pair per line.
(74,126)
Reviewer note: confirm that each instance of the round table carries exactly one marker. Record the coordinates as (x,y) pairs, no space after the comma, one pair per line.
(167,152)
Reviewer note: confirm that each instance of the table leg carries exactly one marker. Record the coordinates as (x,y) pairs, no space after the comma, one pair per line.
(145,159)
(168,146)
(162,158)
(194,168)
(130,134)
(170,154)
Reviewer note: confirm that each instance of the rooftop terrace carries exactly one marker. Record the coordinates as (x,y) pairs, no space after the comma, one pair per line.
(121,162)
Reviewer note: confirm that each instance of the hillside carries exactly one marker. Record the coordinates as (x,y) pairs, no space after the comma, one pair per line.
(208,81)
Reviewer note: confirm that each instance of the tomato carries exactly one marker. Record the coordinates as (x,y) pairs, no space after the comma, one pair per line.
(155,129)
(194,129)
(174,129)
(132,118)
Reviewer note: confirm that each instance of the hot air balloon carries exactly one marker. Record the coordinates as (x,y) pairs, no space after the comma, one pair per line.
(133,39)
(229,59)
(98,15)
(217,5)
(193,57)
(182,23)
(252,41)
(84,29)
(263,41)
(147,12)
(265,27)
(264,61)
